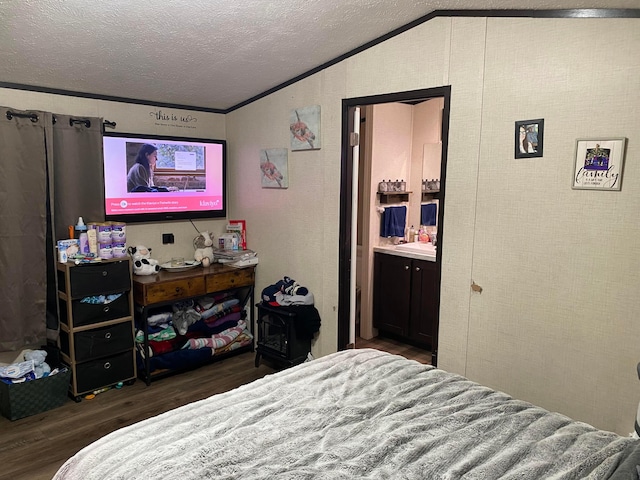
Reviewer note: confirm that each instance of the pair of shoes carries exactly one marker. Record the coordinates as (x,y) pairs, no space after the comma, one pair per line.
(291,287)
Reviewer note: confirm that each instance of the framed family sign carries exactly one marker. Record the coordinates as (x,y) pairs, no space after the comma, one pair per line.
(598,163)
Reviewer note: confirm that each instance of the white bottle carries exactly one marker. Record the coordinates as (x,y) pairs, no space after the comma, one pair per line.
(81,232)
(80,226)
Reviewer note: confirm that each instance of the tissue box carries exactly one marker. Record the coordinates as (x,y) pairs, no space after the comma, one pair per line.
(19,400)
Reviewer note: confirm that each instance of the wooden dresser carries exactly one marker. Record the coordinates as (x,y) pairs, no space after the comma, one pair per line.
(164,288)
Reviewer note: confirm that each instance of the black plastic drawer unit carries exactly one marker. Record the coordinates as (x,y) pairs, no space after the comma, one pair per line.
(97,279)
(103,341)
(96,336)
(105,371)
(87,313)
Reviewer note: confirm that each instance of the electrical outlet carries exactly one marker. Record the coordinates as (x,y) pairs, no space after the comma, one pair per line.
(167,238)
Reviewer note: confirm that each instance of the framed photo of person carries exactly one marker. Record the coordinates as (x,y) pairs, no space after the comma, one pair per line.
(529,136)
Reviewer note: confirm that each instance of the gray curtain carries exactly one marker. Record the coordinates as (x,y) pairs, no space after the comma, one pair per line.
(50,173)
(24,143)
(77,171)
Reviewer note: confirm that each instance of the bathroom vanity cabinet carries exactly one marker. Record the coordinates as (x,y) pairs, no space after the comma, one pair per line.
(406,297)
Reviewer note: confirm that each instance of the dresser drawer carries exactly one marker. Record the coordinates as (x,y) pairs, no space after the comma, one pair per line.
(97,279)
(103,341)
(178,289)
(106,371)
(88,313)
(223,281)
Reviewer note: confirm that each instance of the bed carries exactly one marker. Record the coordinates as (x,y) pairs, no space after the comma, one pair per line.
(358,414)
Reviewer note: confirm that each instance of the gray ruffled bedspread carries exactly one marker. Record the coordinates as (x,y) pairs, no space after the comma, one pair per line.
(357,414)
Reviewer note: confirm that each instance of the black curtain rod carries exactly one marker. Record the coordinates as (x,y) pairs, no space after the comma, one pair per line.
(32,116)
(72,121)
(84,121)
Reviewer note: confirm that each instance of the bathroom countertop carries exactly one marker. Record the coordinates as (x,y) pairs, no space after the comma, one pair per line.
(392,250)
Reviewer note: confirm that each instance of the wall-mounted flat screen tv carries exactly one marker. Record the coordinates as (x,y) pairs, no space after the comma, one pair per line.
(149,178)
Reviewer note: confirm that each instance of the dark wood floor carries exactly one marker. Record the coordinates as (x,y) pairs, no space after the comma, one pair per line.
(396,347)
(33,448)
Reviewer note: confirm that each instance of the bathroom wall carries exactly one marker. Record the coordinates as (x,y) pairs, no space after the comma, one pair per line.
(391,134)
(401,134)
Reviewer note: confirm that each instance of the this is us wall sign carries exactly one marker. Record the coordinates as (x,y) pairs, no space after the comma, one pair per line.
(165,118)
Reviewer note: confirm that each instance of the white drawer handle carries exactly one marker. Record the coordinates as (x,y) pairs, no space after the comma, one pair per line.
(108,335)
(107,366)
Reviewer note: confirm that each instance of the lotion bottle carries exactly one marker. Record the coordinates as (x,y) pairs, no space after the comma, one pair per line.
(84,243)
(93,241)
(411,234)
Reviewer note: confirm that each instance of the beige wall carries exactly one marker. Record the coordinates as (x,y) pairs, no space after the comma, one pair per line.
(555,321)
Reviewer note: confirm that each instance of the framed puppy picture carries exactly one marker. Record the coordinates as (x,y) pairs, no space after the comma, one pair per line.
(529,138)
(598,164)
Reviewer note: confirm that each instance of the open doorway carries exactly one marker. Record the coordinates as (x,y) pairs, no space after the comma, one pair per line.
(363,261)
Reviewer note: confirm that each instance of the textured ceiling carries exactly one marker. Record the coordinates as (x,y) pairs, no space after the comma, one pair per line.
(211,54)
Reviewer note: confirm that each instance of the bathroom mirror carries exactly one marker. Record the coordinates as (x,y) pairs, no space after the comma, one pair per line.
(427,154)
